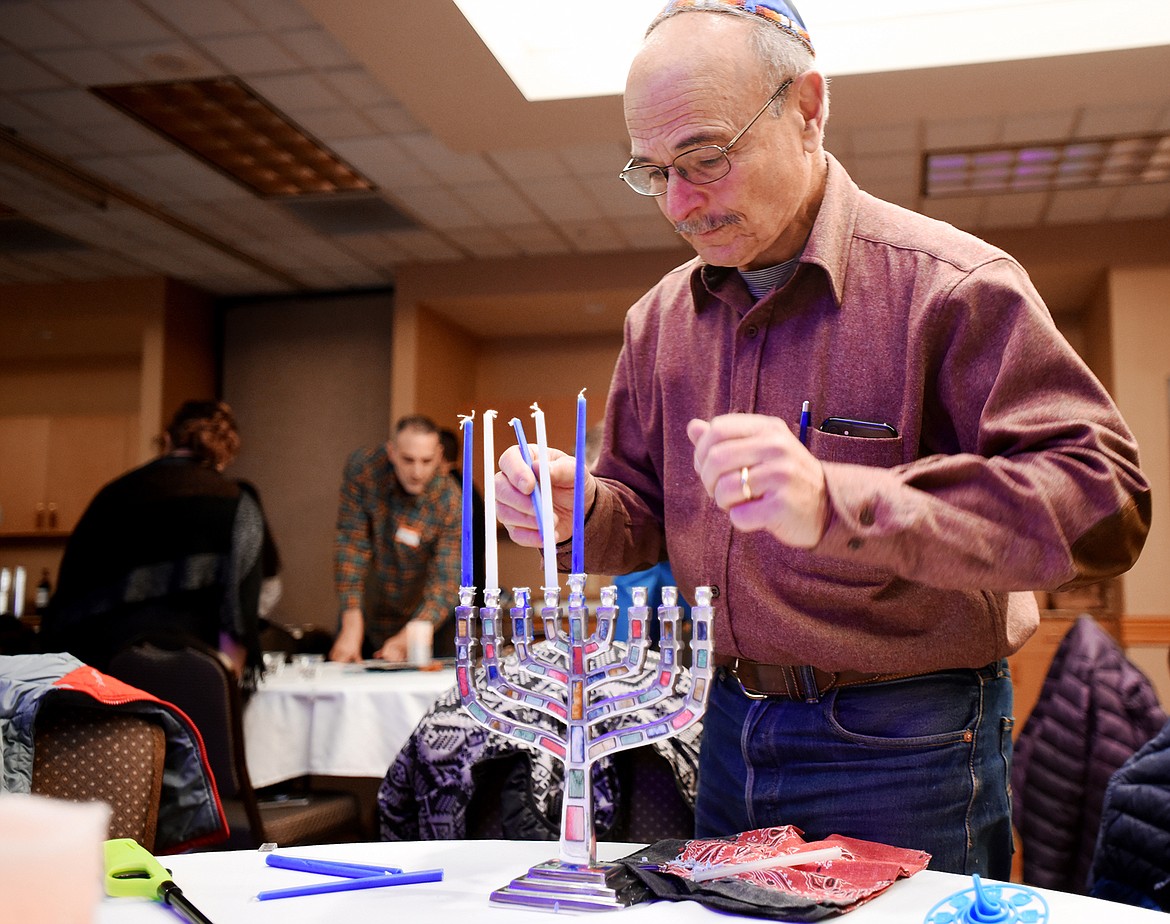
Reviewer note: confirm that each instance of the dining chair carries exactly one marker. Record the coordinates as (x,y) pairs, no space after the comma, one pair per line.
(196,679)
(93,754)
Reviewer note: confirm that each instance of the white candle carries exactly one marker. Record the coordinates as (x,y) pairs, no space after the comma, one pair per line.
(549,537)
(491,558)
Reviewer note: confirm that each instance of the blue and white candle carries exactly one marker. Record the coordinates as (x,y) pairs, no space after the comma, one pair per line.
(467,572)
(578,565)
(491,557)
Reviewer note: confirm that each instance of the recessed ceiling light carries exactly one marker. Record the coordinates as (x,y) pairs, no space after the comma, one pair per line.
(225,124)
(1126,159)
(567,50)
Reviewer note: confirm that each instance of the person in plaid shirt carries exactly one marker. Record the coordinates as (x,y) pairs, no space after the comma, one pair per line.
(396,555)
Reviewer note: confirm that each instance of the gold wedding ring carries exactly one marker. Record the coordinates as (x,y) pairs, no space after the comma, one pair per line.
(745,483)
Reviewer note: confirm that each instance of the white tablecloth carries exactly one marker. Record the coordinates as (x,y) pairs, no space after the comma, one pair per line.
(344,721)
(223,887)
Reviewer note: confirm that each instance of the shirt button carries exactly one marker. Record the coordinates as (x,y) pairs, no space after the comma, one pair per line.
(866,516)
(752,331)
(855,544)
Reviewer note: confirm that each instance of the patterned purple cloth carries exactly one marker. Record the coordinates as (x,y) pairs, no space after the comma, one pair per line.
(429,786)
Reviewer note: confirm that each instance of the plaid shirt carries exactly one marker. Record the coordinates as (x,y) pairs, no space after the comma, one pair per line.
(396,555)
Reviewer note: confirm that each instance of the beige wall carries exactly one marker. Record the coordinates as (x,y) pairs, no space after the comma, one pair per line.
(307,381)
(1140,322)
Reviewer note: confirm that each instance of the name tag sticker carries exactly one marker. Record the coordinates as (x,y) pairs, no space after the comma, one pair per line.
(408,536)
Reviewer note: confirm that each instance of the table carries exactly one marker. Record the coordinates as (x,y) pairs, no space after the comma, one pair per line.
(223,886)
(342,721)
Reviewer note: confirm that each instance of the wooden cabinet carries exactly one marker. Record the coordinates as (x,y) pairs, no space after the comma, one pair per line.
(51,467)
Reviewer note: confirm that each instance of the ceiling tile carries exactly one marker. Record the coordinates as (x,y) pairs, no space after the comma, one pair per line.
(1080,205)
(72,107)
(335,123)
(595,159)
(294,93)
(957,133)
(1024,128)
(184,176)
(424,245)
(962,212)
(376,249)
(886,139)
(250,54)
(385,162)
(1104,121)
(1150,200)
(496,203)
(207,17)
(1015,211)
(124,136)
(316,48)
(30,26)
(525,165)
(616,200)
(536,239)
(392,118)
(276,14)
(450,166)
(112,21)
(30,196)
(484,243)
(443,210)
(65,145)
(19,73)
(173,60)
(14,115)
(89,67)
(561,198)
(357,87)
(591,236)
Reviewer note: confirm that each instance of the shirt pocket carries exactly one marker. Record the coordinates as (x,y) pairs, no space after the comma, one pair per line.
(856,450)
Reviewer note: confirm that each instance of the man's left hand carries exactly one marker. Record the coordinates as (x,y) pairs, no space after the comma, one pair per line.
(756,469)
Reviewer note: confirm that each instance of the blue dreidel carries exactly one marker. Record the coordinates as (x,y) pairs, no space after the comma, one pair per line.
(998,904)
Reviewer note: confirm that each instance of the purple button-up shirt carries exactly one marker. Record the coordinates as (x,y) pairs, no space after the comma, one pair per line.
(1012,469)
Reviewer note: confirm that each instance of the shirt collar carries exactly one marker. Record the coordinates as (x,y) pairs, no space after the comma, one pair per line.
(827,245)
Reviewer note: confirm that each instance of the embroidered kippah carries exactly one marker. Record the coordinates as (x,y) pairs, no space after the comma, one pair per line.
(777,12)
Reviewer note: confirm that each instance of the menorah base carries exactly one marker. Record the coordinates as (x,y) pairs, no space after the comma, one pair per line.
(556,886)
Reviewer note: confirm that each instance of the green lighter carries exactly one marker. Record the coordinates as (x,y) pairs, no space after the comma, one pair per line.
(131,870)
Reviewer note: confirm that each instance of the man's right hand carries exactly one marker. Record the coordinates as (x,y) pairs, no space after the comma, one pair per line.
(348,644)
(515,482)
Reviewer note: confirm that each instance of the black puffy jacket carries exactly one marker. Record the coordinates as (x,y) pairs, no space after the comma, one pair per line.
(1095,710)
(1132,861)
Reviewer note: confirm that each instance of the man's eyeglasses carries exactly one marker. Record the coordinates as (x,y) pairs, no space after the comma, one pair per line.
(699,166)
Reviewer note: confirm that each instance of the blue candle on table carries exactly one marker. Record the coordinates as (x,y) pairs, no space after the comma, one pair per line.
(526,455)
(578,564)
(466,425)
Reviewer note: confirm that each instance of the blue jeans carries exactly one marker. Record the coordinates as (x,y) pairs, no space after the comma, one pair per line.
(922,762)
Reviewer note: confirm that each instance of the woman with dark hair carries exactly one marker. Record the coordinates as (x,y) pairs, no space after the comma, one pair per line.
(172,549)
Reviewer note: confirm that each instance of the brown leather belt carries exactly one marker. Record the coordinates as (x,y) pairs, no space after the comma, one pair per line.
(797,682)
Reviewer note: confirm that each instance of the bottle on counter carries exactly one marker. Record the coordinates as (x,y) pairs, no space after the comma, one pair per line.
(44,591)
(5,589)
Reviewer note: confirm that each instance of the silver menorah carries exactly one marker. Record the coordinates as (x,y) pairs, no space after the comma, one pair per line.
(580,666)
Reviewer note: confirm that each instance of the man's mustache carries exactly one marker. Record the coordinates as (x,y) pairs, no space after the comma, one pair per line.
(705,224)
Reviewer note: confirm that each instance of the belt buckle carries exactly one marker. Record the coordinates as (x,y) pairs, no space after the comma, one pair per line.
(750,694)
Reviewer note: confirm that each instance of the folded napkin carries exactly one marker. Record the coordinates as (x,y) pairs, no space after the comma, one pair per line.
(805,893)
